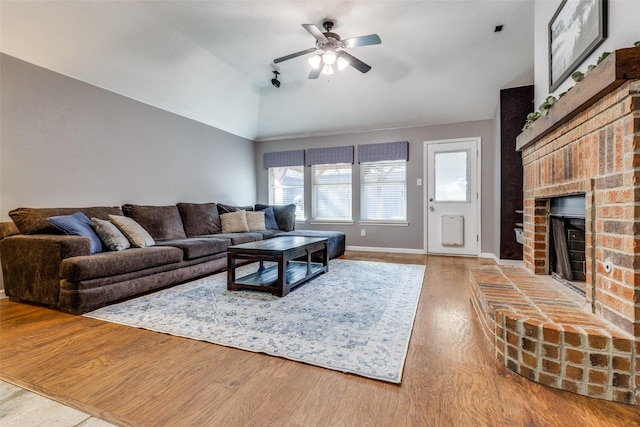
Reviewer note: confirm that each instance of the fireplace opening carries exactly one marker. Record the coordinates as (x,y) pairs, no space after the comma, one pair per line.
(567,262)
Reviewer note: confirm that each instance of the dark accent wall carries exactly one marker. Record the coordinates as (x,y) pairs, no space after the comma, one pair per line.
(515,104)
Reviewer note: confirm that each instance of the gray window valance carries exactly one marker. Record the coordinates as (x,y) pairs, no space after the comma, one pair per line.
(384,151)
(283,158)
(330,155)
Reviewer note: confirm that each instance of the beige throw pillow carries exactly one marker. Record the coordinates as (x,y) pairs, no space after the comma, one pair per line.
(255,221)
(110,235)
(138,236)
(234,222)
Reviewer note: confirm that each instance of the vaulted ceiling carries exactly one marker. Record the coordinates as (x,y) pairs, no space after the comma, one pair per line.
(211,61)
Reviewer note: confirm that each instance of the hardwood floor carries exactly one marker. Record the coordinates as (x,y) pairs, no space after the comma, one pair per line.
(135,377)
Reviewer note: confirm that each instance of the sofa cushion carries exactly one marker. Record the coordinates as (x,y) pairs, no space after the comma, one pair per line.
(255,221)
(110,235)
(137,235)
(239,238)
(161,222)
(197,247)
(200,219)
(112,263)
(78,224)
(268,234)
(234,222)
(285,215)
(34,220)
(223,209)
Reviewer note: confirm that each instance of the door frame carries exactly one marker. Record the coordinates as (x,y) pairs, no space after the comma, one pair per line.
(425,174)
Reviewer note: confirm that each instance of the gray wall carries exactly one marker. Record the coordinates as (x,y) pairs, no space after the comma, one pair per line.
(409,238)
(67,143)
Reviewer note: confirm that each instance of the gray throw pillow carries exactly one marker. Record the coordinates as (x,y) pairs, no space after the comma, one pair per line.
(110,235)
(138,236)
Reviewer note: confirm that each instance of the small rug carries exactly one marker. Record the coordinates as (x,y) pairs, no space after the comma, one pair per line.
(356,318)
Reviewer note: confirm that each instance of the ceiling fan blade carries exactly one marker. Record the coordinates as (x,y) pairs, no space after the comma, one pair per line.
(315,73)
(294,55)
(315,32)
(362,41)
(355,62)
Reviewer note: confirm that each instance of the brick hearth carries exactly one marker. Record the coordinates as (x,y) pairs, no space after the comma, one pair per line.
(547,335)
(589,144)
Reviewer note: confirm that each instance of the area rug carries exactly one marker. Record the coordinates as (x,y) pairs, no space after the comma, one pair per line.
(356,318)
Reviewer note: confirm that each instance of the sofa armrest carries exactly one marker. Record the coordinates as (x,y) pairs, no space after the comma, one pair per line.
(31,264)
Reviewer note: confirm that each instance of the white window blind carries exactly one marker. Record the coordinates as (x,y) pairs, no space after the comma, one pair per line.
(383,190)
(286,186)
(331,191)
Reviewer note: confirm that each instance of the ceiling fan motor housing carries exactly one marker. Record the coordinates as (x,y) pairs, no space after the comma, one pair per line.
(328,50)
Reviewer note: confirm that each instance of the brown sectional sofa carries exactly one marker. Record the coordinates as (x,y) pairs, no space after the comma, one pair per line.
(44,266)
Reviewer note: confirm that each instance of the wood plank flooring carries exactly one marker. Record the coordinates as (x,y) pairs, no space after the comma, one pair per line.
(133,377)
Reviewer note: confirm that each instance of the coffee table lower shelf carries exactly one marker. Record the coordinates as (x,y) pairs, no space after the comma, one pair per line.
(268,276)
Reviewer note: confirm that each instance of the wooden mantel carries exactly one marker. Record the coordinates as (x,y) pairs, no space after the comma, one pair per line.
(613,71)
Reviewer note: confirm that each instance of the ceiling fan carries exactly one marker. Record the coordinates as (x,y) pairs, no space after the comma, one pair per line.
(329,53)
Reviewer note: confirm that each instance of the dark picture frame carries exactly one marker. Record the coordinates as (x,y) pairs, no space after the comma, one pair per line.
(577,28)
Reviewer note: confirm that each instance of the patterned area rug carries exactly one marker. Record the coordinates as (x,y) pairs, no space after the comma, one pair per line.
(356,318)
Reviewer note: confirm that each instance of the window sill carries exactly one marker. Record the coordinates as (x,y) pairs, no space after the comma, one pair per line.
(331,222)
(385,223)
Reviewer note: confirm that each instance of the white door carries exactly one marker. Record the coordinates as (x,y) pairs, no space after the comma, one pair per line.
(452,197)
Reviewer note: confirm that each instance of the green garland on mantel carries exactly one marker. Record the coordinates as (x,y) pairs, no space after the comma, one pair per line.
(577,76)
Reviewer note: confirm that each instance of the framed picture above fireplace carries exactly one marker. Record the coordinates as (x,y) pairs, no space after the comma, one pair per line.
(575,31)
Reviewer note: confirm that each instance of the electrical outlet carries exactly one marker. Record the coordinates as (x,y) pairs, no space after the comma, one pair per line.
(363,233)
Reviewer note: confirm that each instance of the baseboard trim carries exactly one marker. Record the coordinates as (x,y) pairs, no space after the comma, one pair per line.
(512,262)
(2,294)
(390,250)
(489,255)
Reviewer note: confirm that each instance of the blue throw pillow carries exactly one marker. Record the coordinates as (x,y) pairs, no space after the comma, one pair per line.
(78,224)
(270,219)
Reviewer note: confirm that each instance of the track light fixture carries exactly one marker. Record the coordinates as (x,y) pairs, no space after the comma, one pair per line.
(274,80)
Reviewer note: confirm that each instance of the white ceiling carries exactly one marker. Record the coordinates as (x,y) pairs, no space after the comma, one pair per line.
(439,61)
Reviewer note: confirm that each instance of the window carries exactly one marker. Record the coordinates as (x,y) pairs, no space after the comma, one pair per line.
(331,191)
(451,176)
(383,191)
(286,179)
(383,181)
(286,186)
(331,182)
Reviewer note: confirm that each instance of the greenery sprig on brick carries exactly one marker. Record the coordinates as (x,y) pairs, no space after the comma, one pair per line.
(578,76)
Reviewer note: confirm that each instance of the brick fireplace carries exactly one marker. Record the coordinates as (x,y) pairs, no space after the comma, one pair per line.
(596,152)
(588,146)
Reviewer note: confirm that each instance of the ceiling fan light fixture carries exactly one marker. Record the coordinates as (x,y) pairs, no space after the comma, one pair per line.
(315,61)
(329,57)
(342,63)
(327,69)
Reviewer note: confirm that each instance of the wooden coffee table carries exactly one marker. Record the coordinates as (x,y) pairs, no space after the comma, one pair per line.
(287,274)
